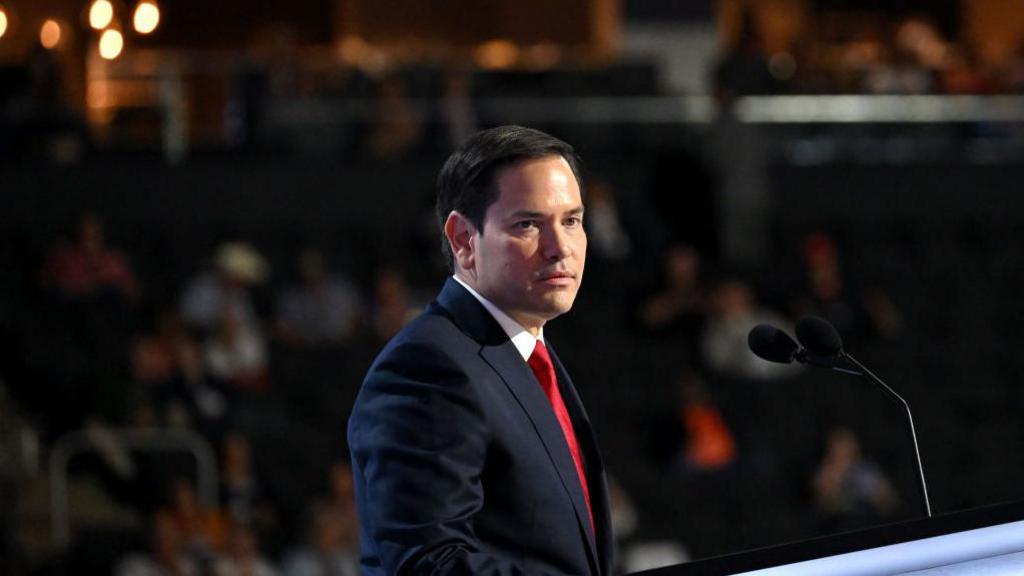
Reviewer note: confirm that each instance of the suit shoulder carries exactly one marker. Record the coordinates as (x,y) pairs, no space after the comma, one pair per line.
(432,331)
(425,366)
(429,352)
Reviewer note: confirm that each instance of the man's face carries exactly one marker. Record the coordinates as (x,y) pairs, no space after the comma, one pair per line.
(529,258)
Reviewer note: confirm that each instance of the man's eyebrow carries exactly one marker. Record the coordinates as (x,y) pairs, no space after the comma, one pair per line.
(534,214)
(526,214)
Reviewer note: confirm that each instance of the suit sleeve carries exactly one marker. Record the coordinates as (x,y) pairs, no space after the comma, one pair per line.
(419,439)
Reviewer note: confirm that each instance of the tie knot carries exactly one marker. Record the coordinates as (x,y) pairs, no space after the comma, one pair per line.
(540,356)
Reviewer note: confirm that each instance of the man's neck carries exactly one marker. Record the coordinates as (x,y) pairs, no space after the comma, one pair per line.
(535,329)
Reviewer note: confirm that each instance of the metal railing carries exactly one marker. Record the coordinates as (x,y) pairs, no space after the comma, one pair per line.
(85,441)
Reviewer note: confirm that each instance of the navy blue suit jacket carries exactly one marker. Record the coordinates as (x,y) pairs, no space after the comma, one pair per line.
(460,465)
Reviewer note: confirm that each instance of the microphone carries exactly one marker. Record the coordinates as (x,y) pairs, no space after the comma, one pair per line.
(819,337)
(822,345)
(822,341)
(772,344)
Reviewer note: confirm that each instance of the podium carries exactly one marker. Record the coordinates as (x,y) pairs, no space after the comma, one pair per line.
(985,541)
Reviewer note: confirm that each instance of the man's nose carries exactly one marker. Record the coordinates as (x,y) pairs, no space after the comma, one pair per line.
(556,243)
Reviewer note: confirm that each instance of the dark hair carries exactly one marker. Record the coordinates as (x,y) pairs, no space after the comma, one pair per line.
(466,183)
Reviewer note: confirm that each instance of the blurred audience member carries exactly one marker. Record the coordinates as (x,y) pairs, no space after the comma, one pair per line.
(916,51)
(243,557)
(237,354)
(900,75)
(710,445)
(175,388)
(734,311)
(606,235)
(324,308)
(331,549)
(827,294)
(850,491)
(623,511)
(743,69)
(679,306)
(200,393)
(237,267)
(341,500)
(203,532)
(89,269)
(392,303)
(963,73)
(1014,74)
(166,555)
(243,495)
(86,357)
(39,122)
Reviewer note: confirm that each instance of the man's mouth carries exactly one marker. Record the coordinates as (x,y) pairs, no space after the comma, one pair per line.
(557,277)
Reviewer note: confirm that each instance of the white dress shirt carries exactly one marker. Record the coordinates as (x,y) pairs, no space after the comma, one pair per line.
(521,337)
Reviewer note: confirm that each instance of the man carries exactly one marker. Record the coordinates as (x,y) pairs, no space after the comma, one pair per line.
(471,450)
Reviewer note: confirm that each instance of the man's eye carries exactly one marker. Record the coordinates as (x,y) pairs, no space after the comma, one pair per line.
(574,221)
(524,225)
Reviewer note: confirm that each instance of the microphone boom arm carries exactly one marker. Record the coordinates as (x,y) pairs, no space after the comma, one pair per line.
(910,421)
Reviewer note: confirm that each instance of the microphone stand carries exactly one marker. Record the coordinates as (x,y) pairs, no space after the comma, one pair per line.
(910,421)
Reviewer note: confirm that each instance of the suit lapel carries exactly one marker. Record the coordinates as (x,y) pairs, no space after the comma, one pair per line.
(594,465)
(499,352)
(517,376)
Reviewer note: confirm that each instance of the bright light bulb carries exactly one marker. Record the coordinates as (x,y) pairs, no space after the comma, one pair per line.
(3,21)
(147,17)
(101,13)
(111,44)
(49,34)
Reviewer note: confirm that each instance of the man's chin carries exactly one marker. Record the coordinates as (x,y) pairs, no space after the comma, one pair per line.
(557,305)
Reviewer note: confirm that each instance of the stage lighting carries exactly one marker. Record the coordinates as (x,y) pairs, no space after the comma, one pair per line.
(101,13)
(497,54)
(147,17)
(111,44)
(3,21)
(49,34)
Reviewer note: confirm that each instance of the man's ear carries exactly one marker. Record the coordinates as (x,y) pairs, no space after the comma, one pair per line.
(461,234)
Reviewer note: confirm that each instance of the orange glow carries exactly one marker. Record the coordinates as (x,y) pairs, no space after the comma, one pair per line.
(111,44)
(101,13)
(49,34)
(147,17)
(3,21)
(497,54)
(354,49)
(98,94)
(542,56)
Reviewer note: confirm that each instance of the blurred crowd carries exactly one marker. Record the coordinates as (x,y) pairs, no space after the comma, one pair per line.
(863,54)
(200,364)
(259,355)
(263,362)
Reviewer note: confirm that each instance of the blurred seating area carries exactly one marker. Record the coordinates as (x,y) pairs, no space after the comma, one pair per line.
(241,301)
(206,239)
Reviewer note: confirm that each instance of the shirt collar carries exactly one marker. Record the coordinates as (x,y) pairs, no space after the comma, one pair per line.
(520,337)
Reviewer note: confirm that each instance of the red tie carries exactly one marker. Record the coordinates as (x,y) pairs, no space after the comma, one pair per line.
(544,370)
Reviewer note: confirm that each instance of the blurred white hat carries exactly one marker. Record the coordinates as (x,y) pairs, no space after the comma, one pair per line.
(241,261)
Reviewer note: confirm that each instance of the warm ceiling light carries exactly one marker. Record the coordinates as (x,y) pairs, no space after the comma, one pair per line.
(100,14)
(147,17)
(111,44)
(3,21)
(49,34)
(497,54)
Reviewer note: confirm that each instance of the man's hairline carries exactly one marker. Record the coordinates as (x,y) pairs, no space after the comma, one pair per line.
(495,176)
